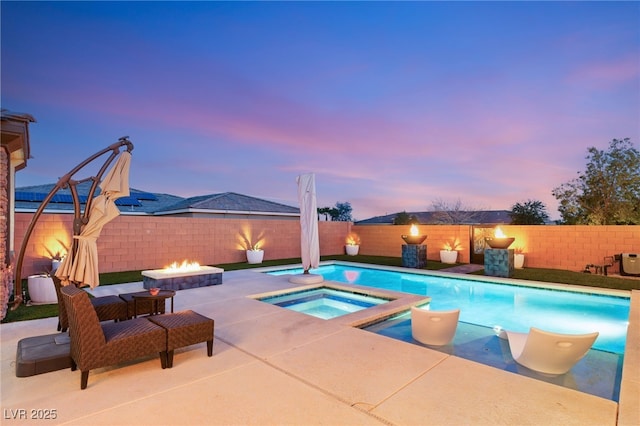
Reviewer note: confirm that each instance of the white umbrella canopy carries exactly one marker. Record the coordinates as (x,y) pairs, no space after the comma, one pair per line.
(82,267)
(309,240)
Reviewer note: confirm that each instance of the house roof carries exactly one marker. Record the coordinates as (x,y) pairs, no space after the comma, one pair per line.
(15,136)
(231,202)
(16,116)
(461,217)
(29,198)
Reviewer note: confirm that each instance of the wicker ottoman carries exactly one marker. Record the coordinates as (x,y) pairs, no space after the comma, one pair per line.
(183,329)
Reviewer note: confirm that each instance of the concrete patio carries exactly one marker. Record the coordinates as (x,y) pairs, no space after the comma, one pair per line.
(275,366)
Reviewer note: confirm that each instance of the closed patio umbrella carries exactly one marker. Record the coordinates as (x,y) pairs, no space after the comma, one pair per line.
(309,240)
(82,266)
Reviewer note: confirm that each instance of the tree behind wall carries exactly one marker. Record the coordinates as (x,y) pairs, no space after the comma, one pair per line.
(449,213)
(403,218)
(340,213)
(607,192)
(326,212)
(531,212)
(343,212)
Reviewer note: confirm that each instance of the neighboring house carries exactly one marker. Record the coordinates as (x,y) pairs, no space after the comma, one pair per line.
(29,198)
(486,217)
(228,204)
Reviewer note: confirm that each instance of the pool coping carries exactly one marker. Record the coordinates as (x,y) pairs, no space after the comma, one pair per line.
(466,277)
(398,302)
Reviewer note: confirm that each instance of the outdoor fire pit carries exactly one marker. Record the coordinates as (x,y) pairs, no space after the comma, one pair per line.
(414,239)
(499,243)
(185,276)
(414,253)
(499,259)
(414,236)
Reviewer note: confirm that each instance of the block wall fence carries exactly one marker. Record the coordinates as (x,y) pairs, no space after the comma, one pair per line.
(130,243)
(149,242)
(545,246)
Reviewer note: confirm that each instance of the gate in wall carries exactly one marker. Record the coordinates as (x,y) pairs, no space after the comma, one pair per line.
(477,241)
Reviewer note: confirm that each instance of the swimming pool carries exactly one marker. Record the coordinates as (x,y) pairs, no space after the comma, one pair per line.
(323,302)
(493,304)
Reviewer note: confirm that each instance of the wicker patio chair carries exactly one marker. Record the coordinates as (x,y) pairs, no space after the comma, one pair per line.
(107,307)
(95,345)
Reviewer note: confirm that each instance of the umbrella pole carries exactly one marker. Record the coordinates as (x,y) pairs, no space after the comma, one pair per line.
(78,221)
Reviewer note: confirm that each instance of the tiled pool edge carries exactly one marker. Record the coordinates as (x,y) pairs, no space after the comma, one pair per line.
(469,277)
(629,403)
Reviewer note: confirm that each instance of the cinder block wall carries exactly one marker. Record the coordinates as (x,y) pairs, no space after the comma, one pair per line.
(556,247)
(147,242)
(386,240)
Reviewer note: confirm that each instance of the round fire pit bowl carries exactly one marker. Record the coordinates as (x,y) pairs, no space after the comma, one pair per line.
(414,239)
(499,243)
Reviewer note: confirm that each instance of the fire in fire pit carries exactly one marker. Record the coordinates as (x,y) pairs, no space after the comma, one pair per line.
(414,237)
(500,240)
(185,266)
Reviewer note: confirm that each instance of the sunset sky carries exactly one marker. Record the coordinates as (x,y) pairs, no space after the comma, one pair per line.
(392,105)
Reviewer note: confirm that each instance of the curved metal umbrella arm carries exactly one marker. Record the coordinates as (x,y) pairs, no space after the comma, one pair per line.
(78,221)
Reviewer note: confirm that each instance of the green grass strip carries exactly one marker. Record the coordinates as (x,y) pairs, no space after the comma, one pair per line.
(24,312)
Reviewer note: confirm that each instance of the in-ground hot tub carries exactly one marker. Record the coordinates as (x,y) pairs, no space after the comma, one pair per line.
(168,279)
(324,302)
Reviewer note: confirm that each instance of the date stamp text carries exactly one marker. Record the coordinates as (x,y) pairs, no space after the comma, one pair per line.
(29,414)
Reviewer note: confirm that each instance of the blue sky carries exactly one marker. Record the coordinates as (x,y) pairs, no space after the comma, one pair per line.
(392,105)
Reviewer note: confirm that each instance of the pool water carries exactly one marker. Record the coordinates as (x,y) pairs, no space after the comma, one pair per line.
(598,373)
(485,306)
(492,304)
(324,302)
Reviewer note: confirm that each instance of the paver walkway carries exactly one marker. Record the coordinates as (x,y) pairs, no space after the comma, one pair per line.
(464,269)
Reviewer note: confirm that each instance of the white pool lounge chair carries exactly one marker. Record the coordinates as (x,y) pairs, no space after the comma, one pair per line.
(435,328)
(549,353)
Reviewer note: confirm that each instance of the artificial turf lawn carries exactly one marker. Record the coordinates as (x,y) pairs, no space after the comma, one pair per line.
(24,312)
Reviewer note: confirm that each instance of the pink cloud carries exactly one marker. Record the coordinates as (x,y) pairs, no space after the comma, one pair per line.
(608,75)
